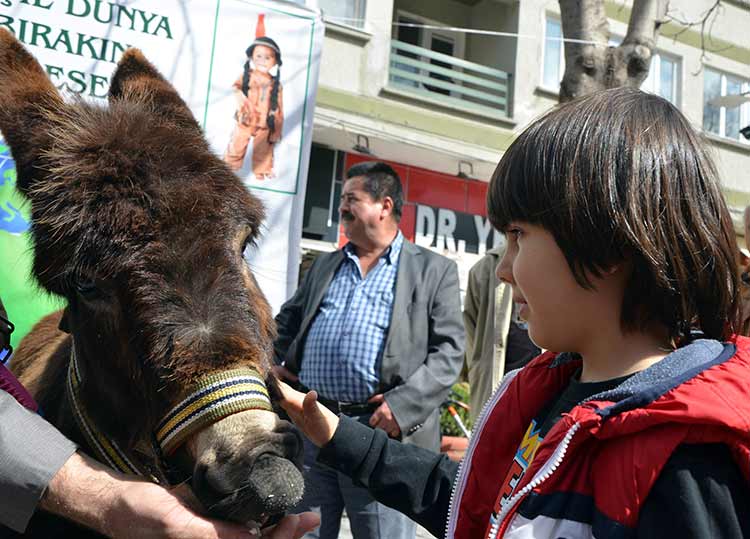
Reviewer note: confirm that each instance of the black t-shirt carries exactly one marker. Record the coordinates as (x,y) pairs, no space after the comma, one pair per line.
(700,492)
(574,393)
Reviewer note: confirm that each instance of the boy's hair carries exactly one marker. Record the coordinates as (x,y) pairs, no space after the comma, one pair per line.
(380,181)
(620,175)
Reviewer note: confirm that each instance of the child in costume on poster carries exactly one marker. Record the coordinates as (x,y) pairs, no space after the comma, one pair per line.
(259,114)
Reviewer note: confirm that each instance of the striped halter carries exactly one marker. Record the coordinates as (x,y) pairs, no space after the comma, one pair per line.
(215,397)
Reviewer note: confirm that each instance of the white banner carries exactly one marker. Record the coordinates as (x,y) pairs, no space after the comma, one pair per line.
(257,112)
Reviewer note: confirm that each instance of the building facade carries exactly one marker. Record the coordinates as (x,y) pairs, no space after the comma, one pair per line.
(404,81)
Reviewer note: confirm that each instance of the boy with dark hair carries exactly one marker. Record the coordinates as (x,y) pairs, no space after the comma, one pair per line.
(621,254)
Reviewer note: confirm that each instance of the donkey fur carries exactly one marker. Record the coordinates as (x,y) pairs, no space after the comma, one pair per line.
(141,228)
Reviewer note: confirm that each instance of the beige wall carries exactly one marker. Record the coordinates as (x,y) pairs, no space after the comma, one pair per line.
(356,60)
(342,51)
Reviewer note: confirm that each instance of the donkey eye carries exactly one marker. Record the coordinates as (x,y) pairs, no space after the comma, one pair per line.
(87,289)
(248,243)
(249,239)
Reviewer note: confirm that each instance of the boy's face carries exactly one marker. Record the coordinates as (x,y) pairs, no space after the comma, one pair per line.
(562,316)
(264,58)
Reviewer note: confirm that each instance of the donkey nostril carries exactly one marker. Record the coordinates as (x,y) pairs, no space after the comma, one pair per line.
(199,483)
(210,481)
(199,478)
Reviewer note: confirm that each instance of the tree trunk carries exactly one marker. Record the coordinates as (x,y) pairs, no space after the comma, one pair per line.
(590,63)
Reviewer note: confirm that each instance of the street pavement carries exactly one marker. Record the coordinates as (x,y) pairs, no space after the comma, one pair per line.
(345,532)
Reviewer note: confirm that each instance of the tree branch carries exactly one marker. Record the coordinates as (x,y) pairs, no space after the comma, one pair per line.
(705,21)
(637,48)
(583,20)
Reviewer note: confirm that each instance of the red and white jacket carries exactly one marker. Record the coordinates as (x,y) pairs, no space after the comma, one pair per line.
(596,466)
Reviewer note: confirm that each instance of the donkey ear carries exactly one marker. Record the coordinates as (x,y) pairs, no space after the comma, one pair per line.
(136,79)
(28,102)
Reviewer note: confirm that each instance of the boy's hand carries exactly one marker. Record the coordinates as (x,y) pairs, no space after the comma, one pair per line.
(284,374)
(316,421)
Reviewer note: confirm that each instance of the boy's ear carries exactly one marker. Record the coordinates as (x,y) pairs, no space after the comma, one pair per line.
(29,106)
(136,79)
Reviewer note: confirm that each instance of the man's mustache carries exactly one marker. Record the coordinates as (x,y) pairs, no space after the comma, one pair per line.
(346,216)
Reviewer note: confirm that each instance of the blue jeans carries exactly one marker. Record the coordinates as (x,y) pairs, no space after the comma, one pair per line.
(328,492)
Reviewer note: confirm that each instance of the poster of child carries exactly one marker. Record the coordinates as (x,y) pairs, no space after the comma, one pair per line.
(260,112)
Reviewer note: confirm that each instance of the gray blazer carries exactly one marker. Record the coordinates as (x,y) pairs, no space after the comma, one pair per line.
(31,453)
(424,347)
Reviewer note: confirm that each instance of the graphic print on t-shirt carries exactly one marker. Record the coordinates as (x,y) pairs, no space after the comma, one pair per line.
(521,462)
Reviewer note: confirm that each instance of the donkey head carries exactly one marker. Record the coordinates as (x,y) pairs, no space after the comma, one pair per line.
(143,229)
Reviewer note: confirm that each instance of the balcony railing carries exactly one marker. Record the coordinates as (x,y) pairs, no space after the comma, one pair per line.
(448,80)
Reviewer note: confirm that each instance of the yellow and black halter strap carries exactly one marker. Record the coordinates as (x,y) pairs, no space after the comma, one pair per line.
(215,397)
(106,449)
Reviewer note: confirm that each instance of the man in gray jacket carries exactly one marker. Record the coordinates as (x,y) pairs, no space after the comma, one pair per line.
(375,328)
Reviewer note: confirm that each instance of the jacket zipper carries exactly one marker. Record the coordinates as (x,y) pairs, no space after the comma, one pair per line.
(544,473)
(481,419)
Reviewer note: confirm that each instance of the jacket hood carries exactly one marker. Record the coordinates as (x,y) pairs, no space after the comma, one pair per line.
(704,383)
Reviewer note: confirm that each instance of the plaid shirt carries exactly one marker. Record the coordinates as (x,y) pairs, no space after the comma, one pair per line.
(344,346)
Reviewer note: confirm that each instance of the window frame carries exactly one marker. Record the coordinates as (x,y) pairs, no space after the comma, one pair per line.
(458,38)
(561,60)
(655,70)
(360,12)
(425,41)
(744,108)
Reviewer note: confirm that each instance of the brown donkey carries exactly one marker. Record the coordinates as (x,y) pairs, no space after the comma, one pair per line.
(159,362)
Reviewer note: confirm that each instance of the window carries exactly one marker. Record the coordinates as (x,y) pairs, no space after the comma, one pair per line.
(724,121)
(320,220)
(411,32)
(349,12)
(554,56)
(434,39)
(663,76)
